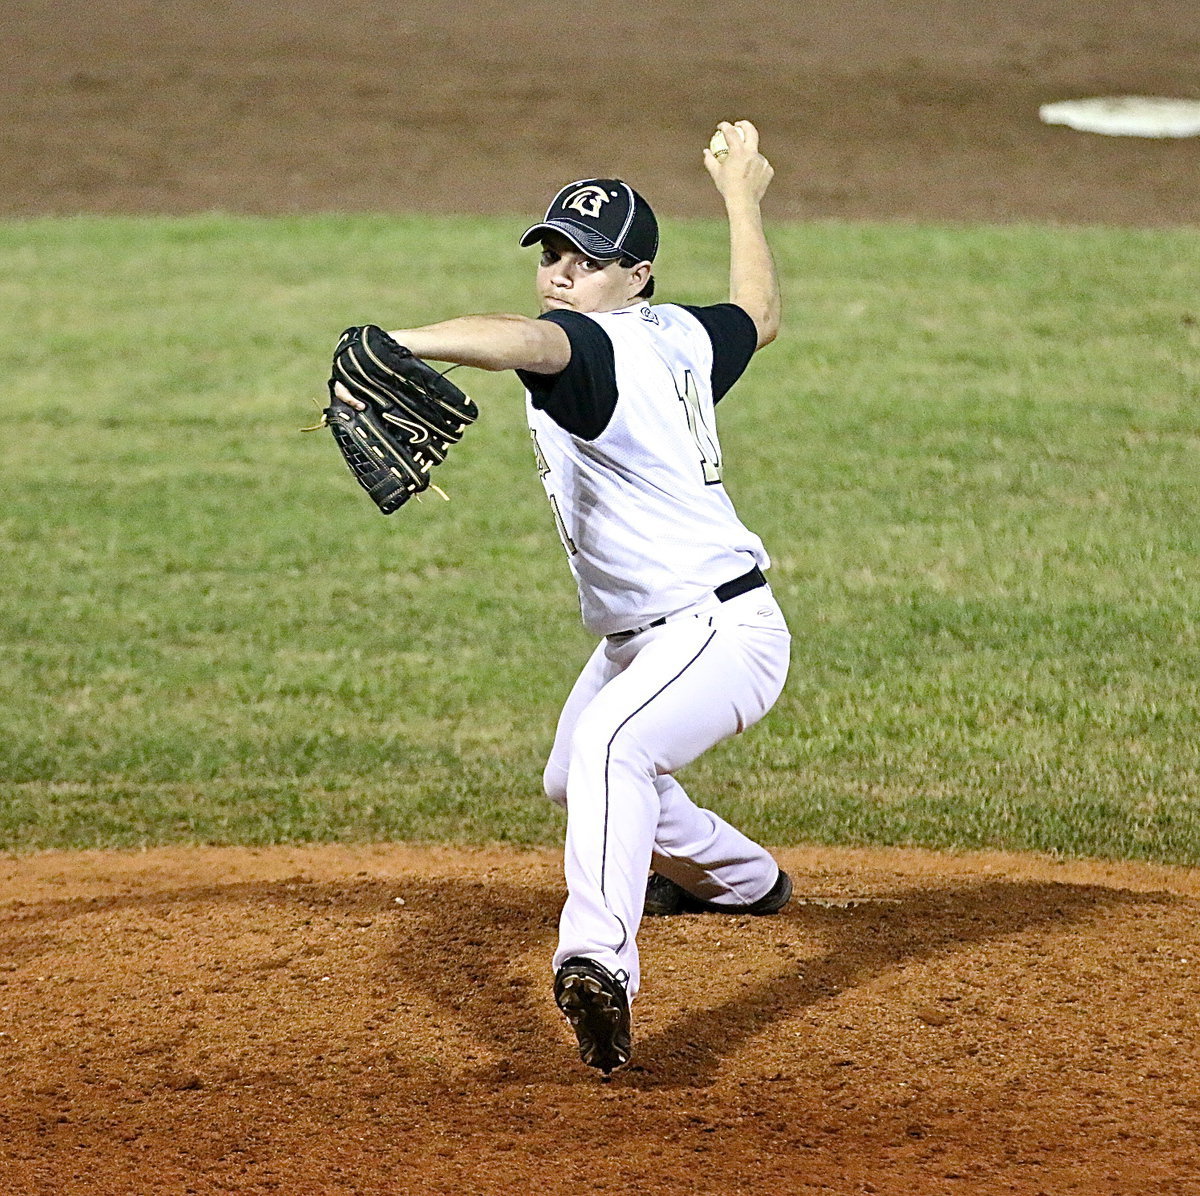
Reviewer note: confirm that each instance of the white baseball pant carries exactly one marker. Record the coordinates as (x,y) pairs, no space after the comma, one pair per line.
(643,707)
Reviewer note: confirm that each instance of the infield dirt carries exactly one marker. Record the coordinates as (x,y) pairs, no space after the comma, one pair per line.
(378,1019)
(923,110)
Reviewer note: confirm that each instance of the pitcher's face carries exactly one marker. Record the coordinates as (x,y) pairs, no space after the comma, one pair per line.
(568,279)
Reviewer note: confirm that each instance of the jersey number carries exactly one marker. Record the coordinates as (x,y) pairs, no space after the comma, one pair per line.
(706,441)
(543,469)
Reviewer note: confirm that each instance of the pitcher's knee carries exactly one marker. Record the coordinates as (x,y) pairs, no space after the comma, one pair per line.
(597,746)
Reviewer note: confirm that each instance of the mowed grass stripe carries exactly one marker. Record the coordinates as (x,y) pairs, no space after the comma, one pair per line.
(974,454)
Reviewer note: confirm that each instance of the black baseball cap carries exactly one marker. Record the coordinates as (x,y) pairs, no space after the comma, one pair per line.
(605,218)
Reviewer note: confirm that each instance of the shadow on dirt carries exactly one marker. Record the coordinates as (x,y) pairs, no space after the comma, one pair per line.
(478,952)
(470,941)
(861,944)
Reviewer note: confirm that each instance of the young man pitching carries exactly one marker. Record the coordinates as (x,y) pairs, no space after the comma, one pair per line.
(620,398)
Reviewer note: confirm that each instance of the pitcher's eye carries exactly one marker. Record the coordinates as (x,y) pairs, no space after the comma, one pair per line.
(549,257)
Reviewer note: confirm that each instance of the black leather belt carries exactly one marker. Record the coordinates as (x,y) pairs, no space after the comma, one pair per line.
(741,585)
(723,593)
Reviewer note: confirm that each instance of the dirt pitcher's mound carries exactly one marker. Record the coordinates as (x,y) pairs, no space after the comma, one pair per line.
(378,1020)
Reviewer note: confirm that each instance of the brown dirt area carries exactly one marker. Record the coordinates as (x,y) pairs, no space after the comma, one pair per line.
(378,1019)
(922,110)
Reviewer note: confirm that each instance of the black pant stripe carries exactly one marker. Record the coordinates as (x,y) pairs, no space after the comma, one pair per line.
(607,762)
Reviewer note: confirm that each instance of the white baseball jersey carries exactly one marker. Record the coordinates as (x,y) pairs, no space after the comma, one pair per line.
(627,448)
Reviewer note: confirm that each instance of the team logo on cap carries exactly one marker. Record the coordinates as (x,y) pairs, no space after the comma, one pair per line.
(587,201)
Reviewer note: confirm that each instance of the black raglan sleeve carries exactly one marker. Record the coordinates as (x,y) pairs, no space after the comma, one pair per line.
(583,397)
(734,338)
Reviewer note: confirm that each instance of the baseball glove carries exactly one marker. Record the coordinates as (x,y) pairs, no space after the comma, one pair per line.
(413,414)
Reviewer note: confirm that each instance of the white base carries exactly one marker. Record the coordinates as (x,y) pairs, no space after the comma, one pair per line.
(1127,116)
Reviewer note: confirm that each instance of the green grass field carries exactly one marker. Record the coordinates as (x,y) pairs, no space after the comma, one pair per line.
(973,453)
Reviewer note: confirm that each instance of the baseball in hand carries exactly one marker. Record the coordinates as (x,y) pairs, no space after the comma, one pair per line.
(718,145)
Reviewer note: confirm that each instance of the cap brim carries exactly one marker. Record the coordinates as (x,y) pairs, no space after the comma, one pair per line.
(585,239)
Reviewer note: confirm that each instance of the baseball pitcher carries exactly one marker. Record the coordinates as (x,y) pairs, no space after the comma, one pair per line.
(693,648)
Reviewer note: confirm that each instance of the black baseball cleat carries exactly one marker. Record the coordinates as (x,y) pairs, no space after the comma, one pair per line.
(597,1006)
(665,898)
